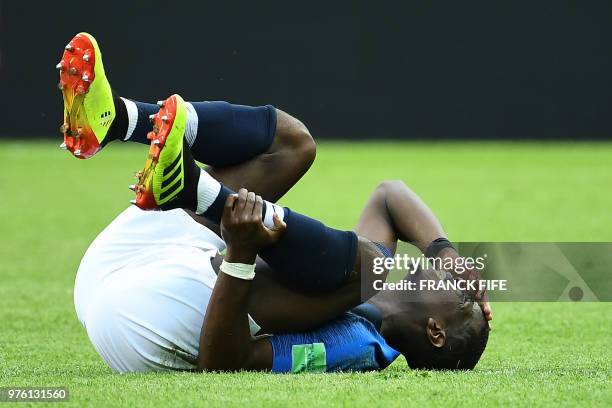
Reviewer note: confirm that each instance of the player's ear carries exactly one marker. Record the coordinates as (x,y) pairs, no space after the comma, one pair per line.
(435,333)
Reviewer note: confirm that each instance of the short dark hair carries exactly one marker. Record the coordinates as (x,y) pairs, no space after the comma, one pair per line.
(463,347)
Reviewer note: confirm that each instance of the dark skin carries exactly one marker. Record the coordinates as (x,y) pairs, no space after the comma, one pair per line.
(272,174)
(423,316)
(285,310)
(225,333)
(226,344)
(396,213)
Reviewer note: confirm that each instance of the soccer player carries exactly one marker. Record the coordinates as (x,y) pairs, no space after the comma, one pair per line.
(144,284)
(433,330)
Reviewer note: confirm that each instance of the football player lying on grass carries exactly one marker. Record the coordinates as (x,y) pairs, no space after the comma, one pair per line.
(144,285)
(432,329)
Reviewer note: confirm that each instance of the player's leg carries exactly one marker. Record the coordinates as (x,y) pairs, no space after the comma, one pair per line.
(220,134)
(228,137)
(260,148)
(311,254)
(288,310)
(392,212)
(274,172)
(225,343)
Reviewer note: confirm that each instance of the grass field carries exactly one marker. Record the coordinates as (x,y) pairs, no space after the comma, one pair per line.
(53,205)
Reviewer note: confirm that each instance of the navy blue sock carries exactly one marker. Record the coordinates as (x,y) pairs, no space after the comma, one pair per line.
(143,124)
(218,133)
(309,256)
(230,134)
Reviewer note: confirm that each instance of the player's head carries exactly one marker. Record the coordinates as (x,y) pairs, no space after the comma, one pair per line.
(438,329)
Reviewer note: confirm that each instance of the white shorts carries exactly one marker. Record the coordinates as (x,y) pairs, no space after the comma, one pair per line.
(142,290)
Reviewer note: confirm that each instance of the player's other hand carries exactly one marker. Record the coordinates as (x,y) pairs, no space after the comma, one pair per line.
(242,225)
(472,275)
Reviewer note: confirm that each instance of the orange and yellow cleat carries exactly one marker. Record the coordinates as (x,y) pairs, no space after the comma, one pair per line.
(163,177)
(88,98)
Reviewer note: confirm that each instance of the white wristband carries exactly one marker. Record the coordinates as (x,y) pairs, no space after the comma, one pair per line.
(238,270)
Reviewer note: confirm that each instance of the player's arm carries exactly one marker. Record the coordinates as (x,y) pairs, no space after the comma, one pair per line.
(225,342)
(396,212)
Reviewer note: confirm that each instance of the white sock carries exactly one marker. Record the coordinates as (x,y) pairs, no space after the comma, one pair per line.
(191,127)
(272,209)
(132,113)
(208,190)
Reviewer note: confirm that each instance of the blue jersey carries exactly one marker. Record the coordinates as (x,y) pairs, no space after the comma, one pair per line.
(350,343)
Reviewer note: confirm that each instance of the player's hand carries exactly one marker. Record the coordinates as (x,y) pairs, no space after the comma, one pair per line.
(479,296)
(486,309)
(471,275)
(242,225)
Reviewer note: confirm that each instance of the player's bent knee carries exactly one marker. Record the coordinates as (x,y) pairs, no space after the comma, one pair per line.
(390,185)
(385,188)
(309,147)
(292,135)
(302,143)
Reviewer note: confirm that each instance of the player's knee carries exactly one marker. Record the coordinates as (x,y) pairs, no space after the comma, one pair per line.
(390,185)
(302,143)
(387,188)
(294,137)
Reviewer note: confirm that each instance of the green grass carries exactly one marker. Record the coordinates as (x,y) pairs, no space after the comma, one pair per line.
(52,206)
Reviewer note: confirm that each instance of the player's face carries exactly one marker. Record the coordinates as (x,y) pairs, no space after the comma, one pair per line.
(416,311)
(447,307)
(440,301)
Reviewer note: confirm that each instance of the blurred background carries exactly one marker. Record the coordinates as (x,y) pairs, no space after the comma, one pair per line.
(349,69)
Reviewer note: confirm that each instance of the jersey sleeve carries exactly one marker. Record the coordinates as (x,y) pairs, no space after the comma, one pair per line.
(350,343)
